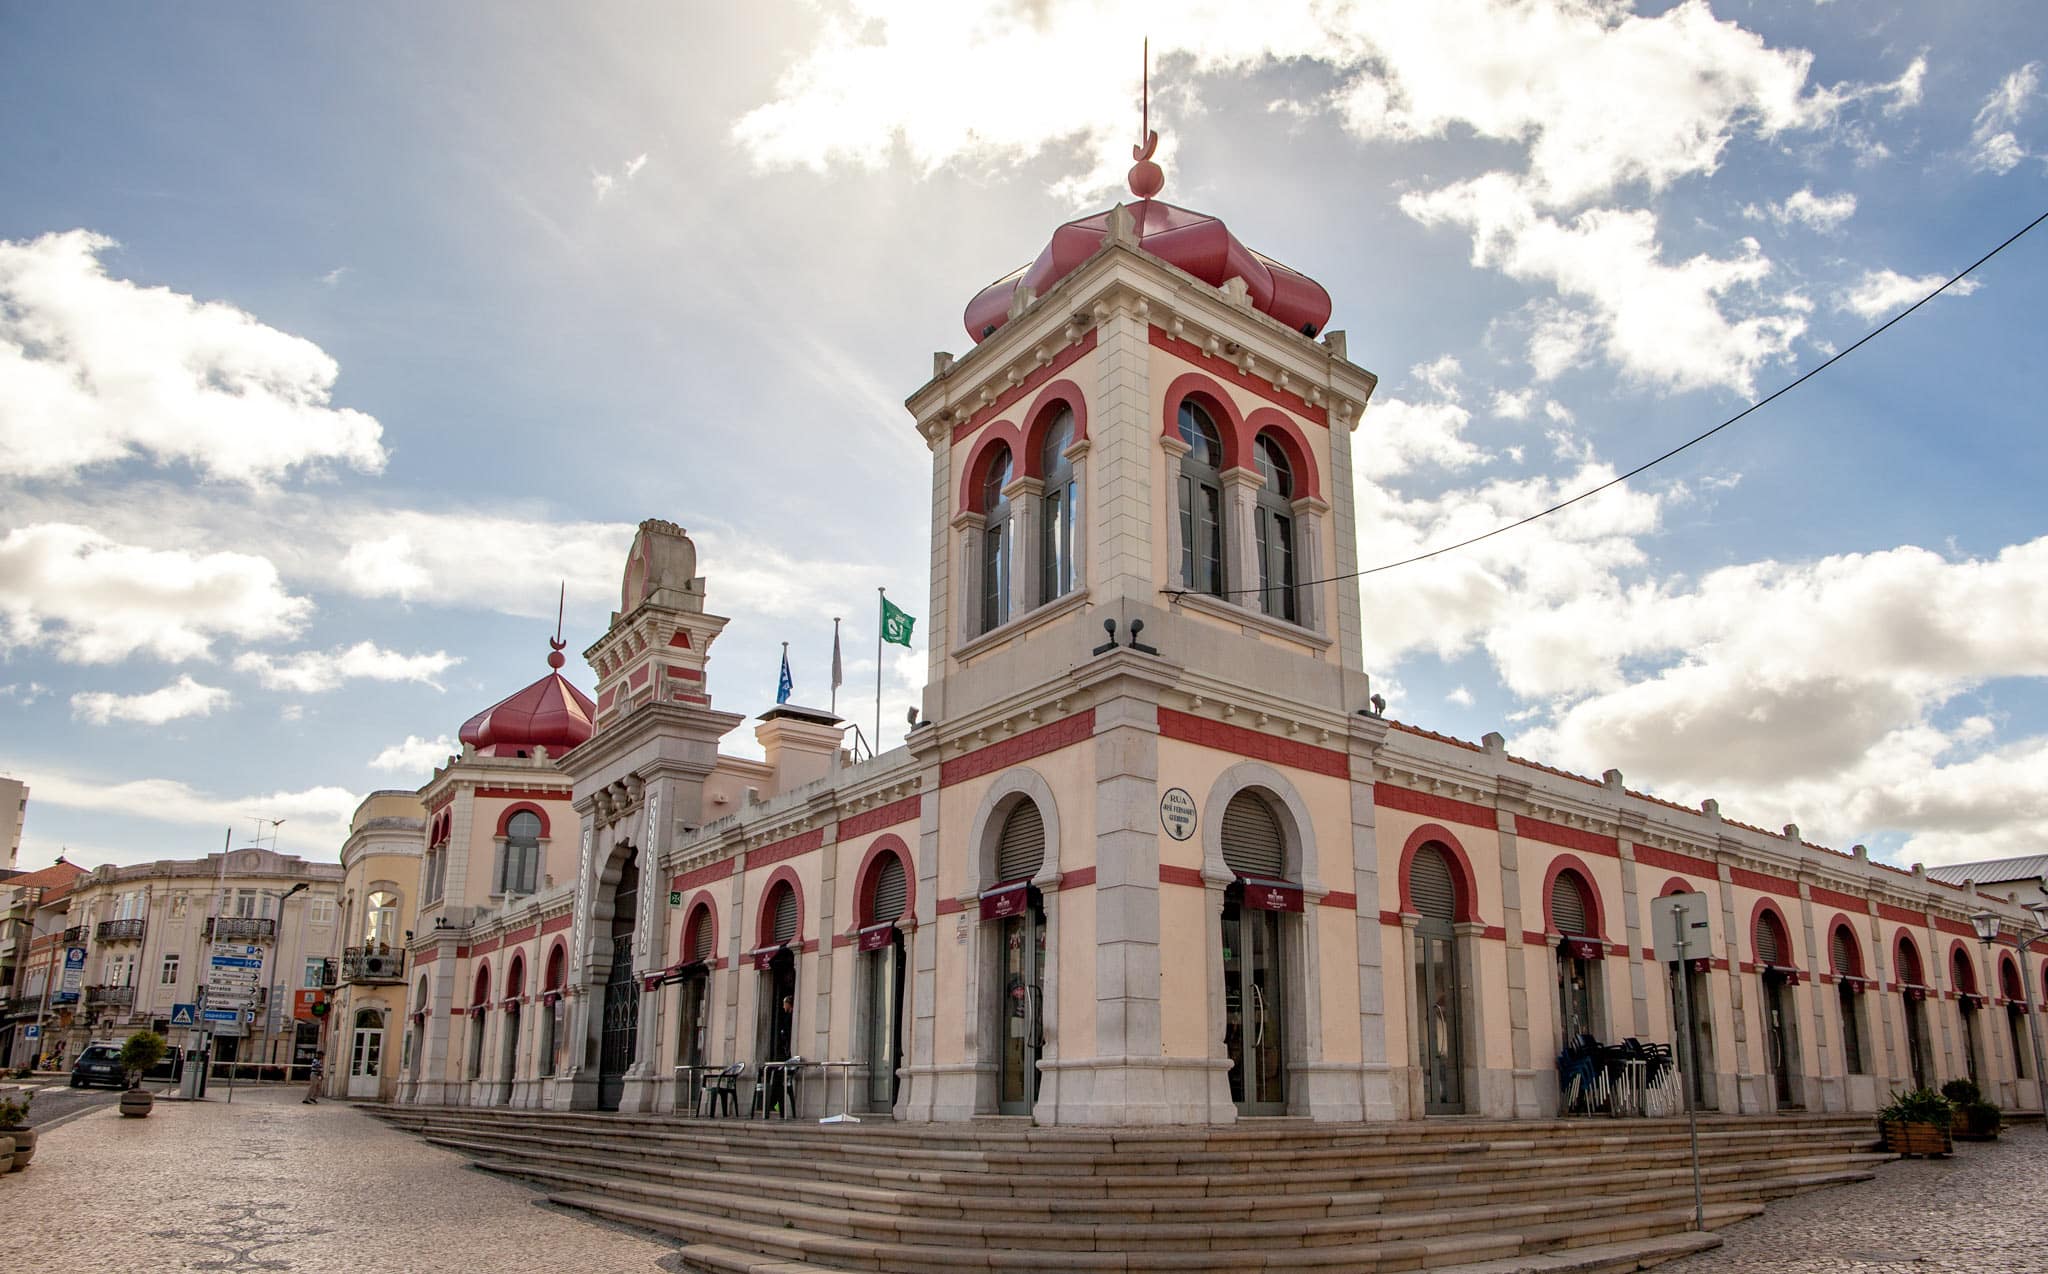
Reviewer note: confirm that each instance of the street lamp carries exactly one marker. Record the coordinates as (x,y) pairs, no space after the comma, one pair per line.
(1986,923)
(277,967)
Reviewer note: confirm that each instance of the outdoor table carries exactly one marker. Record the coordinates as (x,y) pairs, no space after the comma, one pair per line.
(690,1081)
(845,1115)
(777,1083)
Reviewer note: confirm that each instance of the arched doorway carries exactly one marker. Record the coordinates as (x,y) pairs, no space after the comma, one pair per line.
(693,987)
(366,1053)
(1846,960)
(515,990)
(479,1013)
(1256,979)
(1913,985)
(1019,953)
(1777,969)
(2015,1016)
(1439,993)
(1573,917)
(621,1027)
(545,1062)
(881,973)
(780,928)
(1963,977)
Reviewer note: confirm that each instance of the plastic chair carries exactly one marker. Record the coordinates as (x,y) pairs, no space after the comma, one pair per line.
(721,1090)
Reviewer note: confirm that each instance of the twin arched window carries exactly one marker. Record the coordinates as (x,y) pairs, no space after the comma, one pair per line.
(1057,523)
(1273,524)
(1003,543)
(1201,502)
(1204,536)
(996,539)
(519,856)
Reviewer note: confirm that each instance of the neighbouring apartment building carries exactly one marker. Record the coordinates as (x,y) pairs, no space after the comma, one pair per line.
(33,906)
(1149,854)
(13,815)
(380,865)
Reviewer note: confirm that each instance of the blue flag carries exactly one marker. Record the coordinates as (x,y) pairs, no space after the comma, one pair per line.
(785,685)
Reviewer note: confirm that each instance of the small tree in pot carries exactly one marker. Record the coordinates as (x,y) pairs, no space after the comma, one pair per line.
(143,1050)
(14,1124)
(1917,1123)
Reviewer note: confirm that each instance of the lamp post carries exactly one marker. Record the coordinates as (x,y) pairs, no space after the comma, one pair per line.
(276,968)
(1986,924)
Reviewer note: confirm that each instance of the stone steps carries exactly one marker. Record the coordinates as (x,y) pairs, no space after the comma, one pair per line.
(1475,1197)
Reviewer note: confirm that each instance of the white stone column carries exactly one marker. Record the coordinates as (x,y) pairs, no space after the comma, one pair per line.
(967,532)
(1027,550)
(1310,516)
(1077,456)
(1175,450)
(1241,489)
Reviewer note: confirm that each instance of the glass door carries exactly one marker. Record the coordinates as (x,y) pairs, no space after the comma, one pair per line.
(1441,1024)
(1254,1007)
(885,1016)
(1020,1015)
(365,1059)
(1778,1040)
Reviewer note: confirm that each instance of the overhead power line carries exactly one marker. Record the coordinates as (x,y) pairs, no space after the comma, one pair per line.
(1590,492)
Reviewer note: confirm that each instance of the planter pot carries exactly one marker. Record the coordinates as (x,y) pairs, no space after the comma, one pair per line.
(1917,1139)
(136,1102)
(24,1145)
(7,1149)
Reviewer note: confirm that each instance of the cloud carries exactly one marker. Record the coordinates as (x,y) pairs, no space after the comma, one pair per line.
(97,601)
(1513,406)
(1460,696)
(604,183)
(473,558)
(1665,324)
(26,694)
(333,277)
(316,671)
(182,698)
(415,755)
(1817,212)
(634,165)
(95,370)
(1994,145)
(315,819)
(1881,292)
(1407,435)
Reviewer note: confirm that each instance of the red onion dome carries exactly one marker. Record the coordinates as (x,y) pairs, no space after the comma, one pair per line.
(550,713)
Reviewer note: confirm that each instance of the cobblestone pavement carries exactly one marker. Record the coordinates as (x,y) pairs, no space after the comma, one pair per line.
(54,1100)
(1979,1211)
(270,1184)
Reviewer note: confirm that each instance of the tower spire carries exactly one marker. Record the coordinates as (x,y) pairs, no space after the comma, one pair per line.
(555,643)
(1147,178)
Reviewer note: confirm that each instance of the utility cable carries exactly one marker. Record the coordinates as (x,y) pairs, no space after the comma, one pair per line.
(1781,391)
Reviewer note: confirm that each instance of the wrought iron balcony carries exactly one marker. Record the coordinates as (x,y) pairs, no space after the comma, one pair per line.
(119,931)
(372,964)
(116,996)
(74,935)
(241,929)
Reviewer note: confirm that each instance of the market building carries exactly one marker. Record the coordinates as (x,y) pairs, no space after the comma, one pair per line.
(1150,853)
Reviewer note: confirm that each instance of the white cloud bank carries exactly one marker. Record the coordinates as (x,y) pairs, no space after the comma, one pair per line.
(315,819)
(95,370)
(182,698)
(414,755)
(1994,145)
(316,671)
(1879,293)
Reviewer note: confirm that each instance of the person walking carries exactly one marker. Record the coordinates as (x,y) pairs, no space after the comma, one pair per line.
(312,1097)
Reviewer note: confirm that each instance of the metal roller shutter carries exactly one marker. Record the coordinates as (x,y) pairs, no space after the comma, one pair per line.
(700,937)
(1023,845)
(1568,906)
(1430,885)
(1768,947)
(1843,952)
(785,914)
(1252,845)
(1963,974)
(891,890)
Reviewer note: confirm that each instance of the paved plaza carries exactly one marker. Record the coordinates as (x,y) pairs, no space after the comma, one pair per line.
(1980,1211)
(266,1183)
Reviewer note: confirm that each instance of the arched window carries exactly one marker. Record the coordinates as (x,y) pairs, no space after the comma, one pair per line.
(782,914)
(519,856)
(698,943)
(1847,964)
(1432,887)
(891,892)
(1201,502)
(1252,841)
(1568,909)
(1769,942)
(1021,850)
(1273,519)
(1056,525)
(1963,972)
(380,919)
(995,540)
(1580,990)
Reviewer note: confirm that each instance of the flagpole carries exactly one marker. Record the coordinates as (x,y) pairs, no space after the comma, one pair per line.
(882,597)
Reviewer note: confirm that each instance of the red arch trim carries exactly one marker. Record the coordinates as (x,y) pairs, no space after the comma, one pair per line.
(1268,420)
(1677,885)
(483,985)
(1967,963)
(703,908)
(1597,917)
(1213,396)
(1765,907)
(515,975)
(763,918)
(1835,926)
(505,817)
(889,843)
(1039,418)
(1461,867)
(976,469)
(2009,978)
(557,965)
(1900,949)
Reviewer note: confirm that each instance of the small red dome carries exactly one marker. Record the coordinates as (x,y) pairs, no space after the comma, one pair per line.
(550,713)
(1192,241)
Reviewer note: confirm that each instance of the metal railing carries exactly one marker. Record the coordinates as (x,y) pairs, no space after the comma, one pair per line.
(241,929)
(119,931)
(118,996)
(372,964)
(74,935)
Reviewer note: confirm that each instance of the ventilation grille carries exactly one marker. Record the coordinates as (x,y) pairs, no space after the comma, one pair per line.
(700,937)
(1769,950)
(785,915)
(1023,845)
(1431,887)
(1568,906)
(1251,838)
(891,890)
(1842,951)
(1963,973)
(1909,965)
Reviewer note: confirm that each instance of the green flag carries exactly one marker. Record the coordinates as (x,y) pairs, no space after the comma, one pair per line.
(895,624)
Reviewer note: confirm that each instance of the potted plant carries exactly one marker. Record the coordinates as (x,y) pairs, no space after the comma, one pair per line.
(1981,1121)
(143,1050)
(1918,1123)
(14,1130)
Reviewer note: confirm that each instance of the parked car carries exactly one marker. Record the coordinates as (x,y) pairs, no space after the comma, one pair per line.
(98,1064)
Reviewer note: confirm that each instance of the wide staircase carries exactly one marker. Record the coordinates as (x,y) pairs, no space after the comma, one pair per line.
(1470,1196)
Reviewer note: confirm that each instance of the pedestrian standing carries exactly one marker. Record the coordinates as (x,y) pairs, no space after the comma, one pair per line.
(312,1097)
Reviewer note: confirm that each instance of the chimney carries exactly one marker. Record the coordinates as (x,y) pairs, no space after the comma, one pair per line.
(800,743)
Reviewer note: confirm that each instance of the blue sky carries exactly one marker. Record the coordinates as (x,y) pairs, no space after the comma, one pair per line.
(332,340)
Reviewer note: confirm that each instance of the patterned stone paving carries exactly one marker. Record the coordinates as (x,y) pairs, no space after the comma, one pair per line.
(269,1184)
(1979,1211)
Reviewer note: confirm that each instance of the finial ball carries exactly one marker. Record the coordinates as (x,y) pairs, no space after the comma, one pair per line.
(555,659)
(1147,179)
